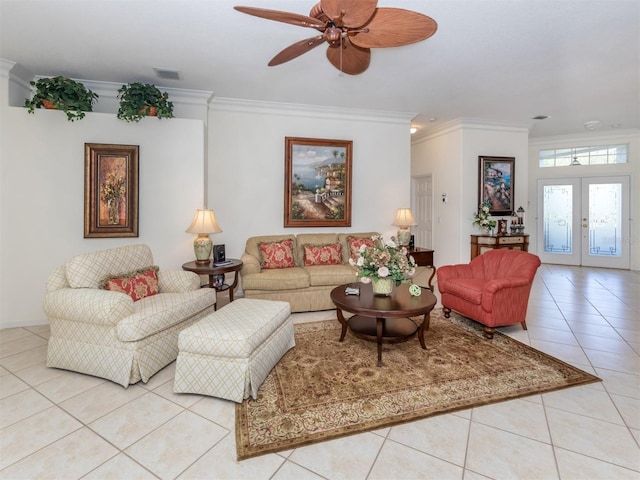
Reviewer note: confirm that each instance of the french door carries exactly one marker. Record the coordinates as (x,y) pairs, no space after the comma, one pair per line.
(584,221)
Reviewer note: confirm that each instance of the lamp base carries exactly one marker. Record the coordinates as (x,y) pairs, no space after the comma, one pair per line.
(404,237)
(202,247)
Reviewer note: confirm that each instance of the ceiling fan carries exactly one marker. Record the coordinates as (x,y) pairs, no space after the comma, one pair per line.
(351,28)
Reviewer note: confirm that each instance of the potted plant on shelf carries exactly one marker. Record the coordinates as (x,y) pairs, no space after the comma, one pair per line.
(139,100)
(62,93)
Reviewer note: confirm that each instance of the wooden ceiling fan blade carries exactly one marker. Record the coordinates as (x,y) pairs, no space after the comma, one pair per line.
(284,17)
(296,49)
(349,13)
(394,27)
(349,58)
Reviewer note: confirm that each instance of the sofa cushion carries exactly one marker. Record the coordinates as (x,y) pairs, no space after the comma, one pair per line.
(159,312)
(322,275)
(252,245)
(137,284)
(356,243)
(276,279)
(323,254)
(303,239)
(277,254)
(86,271)
(469,289)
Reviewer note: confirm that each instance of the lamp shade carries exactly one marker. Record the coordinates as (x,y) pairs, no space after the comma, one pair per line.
(204,221)
(404,218)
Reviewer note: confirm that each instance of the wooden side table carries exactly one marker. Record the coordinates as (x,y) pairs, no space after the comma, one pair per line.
(424,258)
(212,271)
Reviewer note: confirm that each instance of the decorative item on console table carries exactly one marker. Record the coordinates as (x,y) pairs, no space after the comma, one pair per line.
(483,243)
(517,221)
(482,218)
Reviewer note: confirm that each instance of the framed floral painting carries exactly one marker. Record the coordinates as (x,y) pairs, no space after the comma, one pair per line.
(496,184)
(110,190)
(317,183)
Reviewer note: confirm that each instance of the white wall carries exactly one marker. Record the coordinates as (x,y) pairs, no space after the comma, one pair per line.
(451,156)
(246,166)
(42,196)
(632,168)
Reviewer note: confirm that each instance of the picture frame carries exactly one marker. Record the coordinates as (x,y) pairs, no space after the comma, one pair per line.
(110,190)
(496,184)
(317,182)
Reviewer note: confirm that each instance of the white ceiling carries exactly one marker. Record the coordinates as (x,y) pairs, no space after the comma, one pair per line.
(501,61)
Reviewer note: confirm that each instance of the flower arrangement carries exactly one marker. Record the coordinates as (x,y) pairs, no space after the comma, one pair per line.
(482,217)
(113,187)
(384,260)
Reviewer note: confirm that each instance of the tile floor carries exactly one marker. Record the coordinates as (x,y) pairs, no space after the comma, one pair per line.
(64,425)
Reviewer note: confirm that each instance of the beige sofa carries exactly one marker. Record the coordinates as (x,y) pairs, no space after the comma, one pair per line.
(306,288)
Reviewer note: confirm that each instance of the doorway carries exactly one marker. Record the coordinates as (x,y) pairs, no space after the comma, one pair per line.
(584,221)
(422,208)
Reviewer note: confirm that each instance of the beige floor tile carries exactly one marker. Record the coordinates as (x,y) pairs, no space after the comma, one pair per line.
(115,468)
(626,363)
(220,463)
(10,384)
(328,459)
(399,461)
(12,334)
(129,423)
(21,344)
(605,331)
(604,343)
(566,353)
(566,337)
(33,433)
(499,454)
(70,457)
(37,374)
(183,399)
(218,410)
(584,401)
(515,416)
(174,446)
(629,408)
(620,383)
(574,466)
(43,331)
(165,375)
(68,385)
(594,438)
(442,436)
(291,471)
(4,371)
(22,405)
(100,400)
(25,359)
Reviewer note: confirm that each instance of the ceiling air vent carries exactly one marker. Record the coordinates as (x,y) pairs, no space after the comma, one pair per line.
(167,73)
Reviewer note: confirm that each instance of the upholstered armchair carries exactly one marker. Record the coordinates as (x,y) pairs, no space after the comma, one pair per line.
(114,315)
(493,289)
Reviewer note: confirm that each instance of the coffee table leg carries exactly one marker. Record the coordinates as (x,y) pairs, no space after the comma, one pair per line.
(343,322)
(424,326)
(379,327)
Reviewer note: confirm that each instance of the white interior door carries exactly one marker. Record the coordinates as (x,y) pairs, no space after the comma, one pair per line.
(584,221)
(422,208)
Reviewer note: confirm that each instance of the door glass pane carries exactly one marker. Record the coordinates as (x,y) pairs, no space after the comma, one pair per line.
(605,203)
(558,209)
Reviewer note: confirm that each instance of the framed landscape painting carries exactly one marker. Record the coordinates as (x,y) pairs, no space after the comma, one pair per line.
(110,190)
(317,182)
(496,184)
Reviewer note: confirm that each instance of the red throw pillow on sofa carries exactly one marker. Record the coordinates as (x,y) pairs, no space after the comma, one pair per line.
(277,254)
(137,284)
(356,242)
(330,254)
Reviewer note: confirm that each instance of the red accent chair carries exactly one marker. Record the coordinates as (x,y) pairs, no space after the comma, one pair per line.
(493,289)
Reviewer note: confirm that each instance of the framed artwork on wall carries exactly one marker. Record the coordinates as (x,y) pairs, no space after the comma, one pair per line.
(496,184)
(317,182)
(110,190)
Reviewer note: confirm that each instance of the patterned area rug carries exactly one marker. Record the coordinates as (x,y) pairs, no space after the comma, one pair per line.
(324,389)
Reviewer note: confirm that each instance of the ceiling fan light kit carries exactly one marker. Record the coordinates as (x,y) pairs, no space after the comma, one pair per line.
(351,28)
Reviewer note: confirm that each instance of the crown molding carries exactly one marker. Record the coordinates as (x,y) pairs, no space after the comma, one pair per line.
(316,111)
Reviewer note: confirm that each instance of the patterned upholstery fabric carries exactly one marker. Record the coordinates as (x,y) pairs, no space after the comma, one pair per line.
(105,333)
(330,254)
(277,254)
(137,284)
(229,353)
(355,243)
(492,289)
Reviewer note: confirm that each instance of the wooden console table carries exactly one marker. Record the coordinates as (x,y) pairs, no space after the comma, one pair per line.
(483,243)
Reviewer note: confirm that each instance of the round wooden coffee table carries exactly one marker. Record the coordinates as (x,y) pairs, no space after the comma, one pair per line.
(383,319)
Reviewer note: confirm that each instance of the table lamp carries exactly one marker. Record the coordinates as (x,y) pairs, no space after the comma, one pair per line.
(204,223)
(404,220)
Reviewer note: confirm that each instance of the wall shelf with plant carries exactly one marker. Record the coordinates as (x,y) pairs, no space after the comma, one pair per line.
(61,93)
(138,100)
